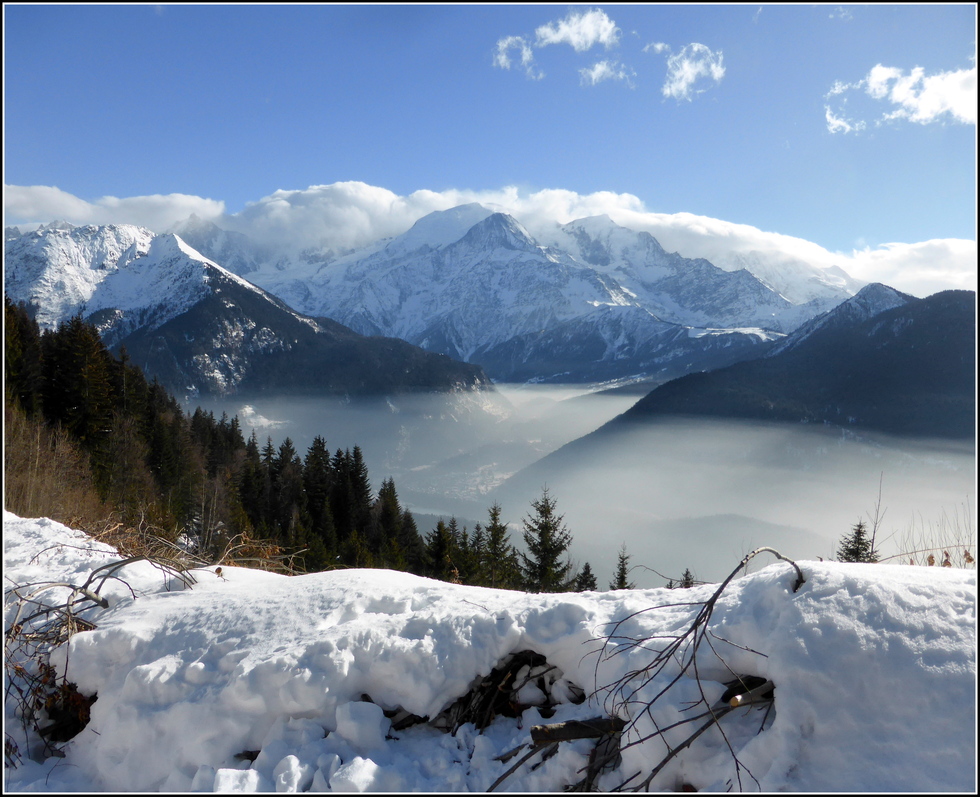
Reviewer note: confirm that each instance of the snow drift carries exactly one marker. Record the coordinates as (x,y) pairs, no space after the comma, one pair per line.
(252,681)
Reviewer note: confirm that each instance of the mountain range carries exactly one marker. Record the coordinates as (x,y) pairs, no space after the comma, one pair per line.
(594,302)
(591,301)
(882,361)
(201,329)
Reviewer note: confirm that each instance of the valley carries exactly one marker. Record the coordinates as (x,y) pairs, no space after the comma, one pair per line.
(680,493)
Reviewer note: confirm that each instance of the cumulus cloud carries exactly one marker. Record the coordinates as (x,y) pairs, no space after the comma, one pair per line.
(607,70)
(580,30)
(838,124)
(41,203)
(352,214)
(657,47)
(502,57)
(924,99)
(920,269)
(696,62)
(914,96)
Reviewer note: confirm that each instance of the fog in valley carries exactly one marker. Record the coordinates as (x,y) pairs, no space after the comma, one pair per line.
(679,493)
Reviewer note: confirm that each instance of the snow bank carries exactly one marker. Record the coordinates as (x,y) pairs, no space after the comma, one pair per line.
(256,682)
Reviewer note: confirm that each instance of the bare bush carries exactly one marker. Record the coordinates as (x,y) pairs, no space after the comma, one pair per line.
(950,541)
(46,474)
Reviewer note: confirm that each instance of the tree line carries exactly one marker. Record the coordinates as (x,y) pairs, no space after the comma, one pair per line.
(88,436)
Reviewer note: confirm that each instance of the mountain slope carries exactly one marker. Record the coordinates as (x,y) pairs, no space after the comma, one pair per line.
(905,369)
(198,327)
(599,302)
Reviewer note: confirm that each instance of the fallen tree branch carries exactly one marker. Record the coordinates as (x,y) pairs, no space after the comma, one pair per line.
(576,729)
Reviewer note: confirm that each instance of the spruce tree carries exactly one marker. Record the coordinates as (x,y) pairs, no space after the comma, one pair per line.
(687,580)
(621,579)
(440,550)
(586,581)
(856,546)
(411,544)
(547,540)
(317,480)
(501,565)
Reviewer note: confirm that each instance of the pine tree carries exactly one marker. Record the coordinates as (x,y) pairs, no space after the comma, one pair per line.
(500,559)
(386,520)
(440,550)
(621,579)
(317,480)
(586,581)
(856,546)
(412,545)
(687,580)
(547,539)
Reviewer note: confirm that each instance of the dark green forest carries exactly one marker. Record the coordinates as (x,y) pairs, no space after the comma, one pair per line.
(91,442)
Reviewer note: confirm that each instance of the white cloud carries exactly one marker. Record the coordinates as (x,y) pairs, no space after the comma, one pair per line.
(657,47)
(607,70)
(580,30)
(920,269)
(41,203)
(926,99)
(353,214)
(695,62)
(838,124)
(841,13)
(502,56)
(914,96)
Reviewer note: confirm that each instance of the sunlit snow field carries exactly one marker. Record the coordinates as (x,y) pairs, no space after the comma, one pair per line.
(874,669)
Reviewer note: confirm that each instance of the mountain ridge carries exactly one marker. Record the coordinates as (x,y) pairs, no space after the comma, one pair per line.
(200,328)
(473,283)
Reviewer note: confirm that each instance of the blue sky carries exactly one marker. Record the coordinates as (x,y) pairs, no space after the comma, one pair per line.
(782,123)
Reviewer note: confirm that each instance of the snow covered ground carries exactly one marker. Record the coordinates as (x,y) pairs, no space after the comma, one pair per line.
(874,669)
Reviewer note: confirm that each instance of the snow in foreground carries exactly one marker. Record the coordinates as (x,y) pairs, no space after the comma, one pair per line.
(874,668)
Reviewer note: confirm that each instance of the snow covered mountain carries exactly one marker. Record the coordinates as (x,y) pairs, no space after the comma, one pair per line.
(867,303)
(594,301)
(200,328)
(882,360)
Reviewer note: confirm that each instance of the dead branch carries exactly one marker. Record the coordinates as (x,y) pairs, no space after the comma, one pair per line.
(576,729)
(627,695)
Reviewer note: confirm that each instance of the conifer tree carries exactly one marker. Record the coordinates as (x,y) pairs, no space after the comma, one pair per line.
(547,540)
(22,363)
(856,546)
(412,545)
(687,580)
(501,563)
(586,581)
(317,479)
(386,517)
(440,550)
(621,579)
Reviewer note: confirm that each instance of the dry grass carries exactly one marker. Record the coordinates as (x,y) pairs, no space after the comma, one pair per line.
(46,474)
(949,541)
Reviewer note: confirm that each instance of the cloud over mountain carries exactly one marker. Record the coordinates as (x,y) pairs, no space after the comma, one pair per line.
(347,215)
(155,212)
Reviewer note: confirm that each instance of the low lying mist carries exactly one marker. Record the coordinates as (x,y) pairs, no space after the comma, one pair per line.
(681,493)
(700,494)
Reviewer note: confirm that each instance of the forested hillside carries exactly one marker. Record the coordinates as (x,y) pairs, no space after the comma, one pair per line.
(91,442)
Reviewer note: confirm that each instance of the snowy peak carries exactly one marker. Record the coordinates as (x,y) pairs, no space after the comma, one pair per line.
(870,301)
(58,270)
(439,228)
(198,327)
(599,241)
(498,231)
